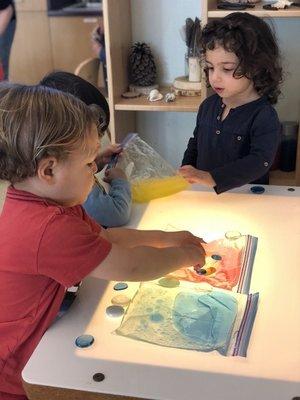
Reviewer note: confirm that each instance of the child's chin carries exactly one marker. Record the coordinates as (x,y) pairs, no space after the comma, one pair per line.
(77,202)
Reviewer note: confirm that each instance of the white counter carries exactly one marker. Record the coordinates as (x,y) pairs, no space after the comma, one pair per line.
(132,368)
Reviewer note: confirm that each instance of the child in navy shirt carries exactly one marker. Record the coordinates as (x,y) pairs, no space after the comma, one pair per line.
(237,131)
(108,209)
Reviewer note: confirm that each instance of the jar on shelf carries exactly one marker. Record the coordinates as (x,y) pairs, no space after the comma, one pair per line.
(194,69)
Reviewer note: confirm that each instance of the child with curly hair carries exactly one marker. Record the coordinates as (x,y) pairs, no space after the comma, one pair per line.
(237,132)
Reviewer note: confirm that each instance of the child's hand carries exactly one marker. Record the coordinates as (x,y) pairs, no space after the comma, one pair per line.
(193,244)
(114,173)
(197,253)
(190,243)
(194,175)
(105,155)
(182,238)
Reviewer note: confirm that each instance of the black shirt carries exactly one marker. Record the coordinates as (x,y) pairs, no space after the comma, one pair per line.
(5,3)
(238,150)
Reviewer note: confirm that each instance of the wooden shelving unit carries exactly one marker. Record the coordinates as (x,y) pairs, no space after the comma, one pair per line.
(187,104)
(118,41)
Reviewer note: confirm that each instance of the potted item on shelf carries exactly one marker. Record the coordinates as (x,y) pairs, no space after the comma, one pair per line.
(190,84)
(193,34)
(142,69)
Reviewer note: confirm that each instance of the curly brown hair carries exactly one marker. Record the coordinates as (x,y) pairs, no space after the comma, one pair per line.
(37,122)
(254,43)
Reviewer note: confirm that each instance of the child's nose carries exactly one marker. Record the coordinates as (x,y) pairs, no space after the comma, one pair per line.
(216,76)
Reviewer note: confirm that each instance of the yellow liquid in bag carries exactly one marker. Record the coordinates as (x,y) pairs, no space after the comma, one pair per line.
(150,189)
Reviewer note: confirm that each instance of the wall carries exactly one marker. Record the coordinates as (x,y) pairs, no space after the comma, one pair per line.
(157,22)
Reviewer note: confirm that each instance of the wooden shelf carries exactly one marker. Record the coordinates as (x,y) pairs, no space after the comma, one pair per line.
(181,103)
(278,177)
(258,10)
(119,39)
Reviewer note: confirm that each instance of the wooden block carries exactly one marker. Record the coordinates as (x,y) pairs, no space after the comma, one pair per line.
(183,83)
(187,93)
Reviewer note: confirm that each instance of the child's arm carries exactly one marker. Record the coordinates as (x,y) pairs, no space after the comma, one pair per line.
(191,152)
(144,255)
(132,238)
(112,209)
(81,247)
(147,263)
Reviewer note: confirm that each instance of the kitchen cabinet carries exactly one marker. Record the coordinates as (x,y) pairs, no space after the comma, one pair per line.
(71,40)
(45,43)
(31,54)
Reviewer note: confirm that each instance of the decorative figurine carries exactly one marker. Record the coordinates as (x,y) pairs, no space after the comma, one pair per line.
(142,68)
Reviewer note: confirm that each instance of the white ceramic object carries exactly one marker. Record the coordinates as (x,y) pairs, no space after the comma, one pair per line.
(155,95)
(194,69)
(282,4)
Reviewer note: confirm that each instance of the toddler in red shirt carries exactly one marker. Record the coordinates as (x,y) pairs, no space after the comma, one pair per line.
(48,145)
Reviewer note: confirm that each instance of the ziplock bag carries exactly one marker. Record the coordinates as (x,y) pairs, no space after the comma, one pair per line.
(150,176)
(228,264)
(191,317)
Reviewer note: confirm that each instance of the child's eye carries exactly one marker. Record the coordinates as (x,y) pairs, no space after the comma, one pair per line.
(228,69)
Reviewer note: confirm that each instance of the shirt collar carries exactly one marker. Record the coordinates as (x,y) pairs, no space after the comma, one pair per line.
(16,194)
(250,105)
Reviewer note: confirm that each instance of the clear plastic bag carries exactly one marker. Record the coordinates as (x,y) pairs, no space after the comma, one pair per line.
(151,177)
(191,317)
(228,263)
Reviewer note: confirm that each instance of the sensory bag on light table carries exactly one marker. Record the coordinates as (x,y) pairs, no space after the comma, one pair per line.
(190,316)
(228,263)
(199,312)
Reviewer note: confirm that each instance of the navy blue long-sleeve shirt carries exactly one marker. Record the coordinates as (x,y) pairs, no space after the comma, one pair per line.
(238,150)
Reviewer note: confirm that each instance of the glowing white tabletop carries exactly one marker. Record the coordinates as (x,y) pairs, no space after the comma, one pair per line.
(136,369)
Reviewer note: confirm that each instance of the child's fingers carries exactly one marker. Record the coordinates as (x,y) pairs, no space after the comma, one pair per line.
(186,171)
(186,168)
(116,148)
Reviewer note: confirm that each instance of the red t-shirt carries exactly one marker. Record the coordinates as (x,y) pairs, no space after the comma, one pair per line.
(44,248)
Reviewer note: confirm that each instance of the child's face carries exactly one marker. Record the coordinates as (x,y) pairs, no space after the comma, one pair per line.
(75,176)
(221,65)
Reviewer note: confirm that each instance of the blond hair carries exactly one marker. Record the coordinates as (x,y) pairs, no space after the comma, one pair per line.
(37,122)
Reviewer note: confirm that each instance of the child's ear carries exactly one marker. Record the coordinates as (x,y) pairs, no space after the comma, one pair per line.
(45,170)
